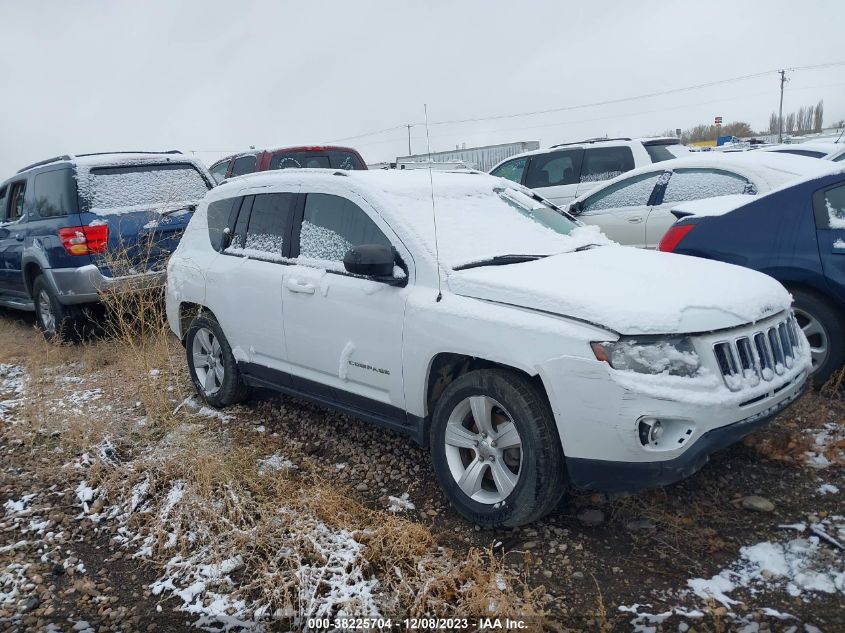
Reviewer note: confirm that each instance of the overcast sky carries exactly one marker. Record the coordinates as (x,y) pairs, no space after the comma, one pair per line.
(217,77)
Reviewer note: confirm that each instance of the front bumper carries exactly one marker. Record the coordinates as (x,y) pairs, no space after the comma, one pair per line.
(87,284)
(612,476)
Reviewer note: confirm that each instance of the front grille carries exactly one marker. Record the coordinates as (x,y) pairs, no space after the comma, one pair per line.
(760,356)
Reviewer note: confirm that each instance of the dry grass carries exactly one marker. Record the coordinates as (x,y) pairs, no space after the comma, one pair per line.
(189,492)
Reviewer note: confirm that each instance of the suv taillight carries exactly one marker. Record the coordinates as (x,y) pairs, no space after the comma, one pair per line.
(673,237)
(85,240)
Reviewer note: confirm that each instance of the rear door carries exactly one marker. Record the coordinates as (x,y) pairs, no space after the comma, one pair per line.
(620,210)
(555,175)
(146,206)
(251,268)
(603,163)
(829,209)
(684,185)
(12,236)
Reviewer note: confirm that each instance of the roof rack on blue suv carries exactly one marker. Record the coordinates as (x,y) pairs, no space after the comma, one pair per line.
(73,227)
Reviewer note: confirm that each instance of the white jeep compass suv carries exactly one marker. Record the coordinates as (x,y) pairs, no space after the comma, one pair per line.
(526,350)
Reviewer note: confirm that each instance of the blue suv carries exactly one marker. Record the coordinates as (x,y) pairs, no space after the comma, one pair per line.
(66,221)
(795,234)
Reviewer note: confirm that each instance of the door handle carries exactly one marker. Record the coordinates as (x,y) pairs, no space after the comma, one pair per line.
(294,285)
(636,220)
(19,237)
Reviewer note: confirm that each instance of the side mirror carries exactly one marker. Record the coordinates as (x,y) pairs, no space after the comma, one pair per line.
(576,208)
(370,260)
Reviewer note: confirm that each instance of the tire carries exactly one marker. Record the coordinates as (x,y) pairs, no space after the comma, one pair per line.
(510,486)
(218,390)
(823,324)
(56,321)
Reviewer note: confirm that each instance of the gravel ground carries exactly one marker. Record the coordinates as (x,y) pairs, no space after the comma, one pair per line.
(596,563)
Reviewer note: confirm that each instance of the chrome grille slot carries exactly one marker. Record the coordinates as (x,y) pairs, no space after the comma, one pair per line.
(786,345)
(758,356)
(777,352)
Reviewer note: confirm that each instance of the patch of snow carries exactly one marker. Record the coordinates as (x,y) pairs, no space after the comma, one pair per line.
(274,463)
(345,357)
(16,507)
(85,494)
(828,489)
(400,504)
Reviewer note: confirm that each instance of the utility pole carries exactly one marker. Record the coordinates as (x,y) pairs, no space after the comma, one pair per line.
(780,110)
(409,126)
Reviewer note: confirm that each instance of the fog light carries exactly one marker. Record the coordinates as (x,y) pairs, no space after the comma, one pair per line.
(664,434)
(650,431)
(656,432)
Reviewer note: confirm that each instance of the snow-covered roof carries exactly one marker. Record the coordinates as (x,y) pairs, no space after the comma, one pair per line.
(825,147)
(766,170)
(118,158)
(474,221)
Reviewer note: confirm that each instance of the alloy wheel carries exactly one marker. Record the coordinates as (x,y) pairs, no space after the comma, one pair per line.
(45,311)
(208,361)
(816,335)
(483,449)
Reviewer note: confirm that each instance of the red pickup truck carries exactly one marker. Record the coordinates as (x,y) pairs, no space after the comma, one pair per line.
(311,156)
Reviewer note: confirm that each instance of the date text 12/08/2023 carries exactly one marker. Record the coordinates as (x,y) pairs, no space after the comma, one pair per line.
(414,624)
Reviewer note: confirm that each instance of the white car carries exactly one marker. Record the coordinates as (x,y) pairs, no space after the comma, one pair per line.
(834,151)
(562,172)
(635,209)
(524,349)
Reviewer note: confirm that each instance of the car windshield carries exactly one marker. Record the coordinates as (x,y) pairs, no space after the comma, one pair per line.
(138,187)
(478,217)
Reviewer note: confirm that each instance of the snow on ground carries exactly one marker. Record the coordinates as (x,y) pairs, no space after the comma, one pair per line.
(274,463)
(811,564)
(202,410)
(829,446)
(400,504)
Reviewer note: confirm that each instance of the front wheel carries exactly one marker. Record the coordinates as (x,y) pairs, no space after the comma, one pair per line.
(495,448)
(214,370)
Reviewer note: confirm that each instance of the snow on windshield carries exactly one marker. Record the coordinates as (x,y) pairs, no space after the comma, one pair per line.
(477,216)
(125,188)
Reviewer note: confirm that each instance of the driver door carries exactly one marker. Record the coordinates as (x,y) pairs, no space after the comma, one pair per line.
(620,209)
(343,332)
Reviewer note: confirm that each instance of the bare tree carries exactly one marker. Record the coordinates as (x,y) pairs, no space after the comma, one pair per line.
(790,123)
(818,119)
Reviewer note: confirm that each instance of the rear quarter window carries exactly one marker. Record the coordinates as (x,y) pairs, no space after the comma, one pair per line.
(55,193)
(219,214)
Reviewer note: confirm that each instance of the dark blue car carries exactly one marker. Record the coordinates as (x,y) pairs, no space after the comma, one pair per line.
(73,227)
(795,234)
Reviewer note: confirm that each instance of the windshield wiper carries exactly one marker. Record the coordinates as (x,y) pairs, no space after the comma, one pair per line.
(500,260)
(585,247)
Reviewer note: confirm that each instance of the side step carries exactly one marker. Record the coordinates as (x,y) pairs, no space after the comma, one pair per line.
(17,303)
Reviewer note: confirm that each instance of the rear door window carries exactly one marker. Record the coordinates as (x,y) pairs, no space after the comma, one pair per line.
(331,225)
(830,208)
(554,169)
(219,170)
(695,184)
(604,163)
(244,165)
(512,170)
(55,193)
(266,220)
(631,192)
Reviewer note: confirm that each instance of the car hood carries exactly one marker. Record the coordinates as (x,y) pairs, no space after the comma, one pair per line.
(630,291)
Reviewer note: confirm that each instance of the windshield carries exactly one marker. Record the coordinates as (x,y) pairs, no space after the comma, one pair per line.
(478,217)
(140,187)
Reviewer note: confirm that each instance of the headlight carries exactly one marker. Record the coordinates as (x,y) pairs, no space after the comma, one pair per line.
(670,356)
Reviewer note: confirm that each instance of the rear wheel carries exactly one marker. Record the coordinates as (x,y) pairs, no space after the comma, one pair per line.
(55,320)
(822,324)
(214,370)
(495,448)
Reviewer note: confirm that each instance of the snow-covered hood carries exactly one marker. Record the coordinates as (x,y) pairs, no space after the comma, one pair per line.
(631,291)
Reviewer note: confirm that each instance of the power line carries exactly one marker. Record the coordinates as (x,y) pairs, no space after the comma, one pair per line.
(597,103)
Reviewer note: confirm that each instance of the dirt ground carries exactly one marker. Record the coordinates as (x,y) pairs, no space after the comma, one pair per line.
(150,512)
